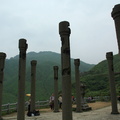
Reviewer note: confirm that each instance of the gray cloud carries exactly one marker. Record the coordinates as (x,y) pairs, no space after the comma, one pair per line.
(37,21)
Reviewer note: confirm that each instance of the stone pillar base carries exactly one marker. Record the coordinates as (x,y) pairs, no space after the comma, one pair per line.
(78,111)
(56,111)
(114,112)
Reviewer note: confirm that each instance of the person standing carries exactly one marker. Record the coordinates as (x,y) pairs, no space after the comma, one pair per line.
(60,101)
(52,101)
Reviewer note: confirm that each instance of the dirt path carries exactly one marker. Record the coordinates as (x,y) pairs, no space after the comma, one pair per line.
(98,105)
(95,105)
(100,111)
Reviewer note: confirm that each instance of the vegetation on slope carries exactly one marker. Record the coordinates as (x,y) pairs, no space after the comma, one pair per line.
(44,75)
(97,79)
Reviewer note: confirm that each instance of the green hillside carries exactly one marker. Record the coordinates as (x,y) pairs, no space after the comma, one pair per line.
(97,79)
(44,77)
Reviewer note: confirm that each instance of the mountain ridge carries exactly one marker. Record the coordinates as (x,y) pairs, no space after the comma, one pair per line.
(44,74)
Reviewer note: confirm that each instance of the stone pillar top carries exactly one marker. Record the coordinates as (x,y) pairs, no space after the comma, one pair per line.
(2,55)
(64,28)
(116,11)
(55,72)
(77,62)
(33,62)
(109,55)
(22,44)
(55,67)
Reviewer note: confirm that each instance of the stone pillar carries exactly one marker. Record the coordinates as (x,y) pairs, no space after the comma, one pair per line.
(64,32)
(78,85)
(116,16)
(56,109)
(33,81)
(21,81)
(109,57)
(2,62)
(83,88)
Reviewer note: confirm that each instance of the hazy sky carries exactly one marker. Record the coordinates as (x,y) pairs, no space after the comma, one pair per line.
(92,27)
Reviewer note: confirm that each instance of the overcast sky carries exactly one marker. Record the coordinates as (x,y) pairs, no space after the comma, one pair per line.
(92,27)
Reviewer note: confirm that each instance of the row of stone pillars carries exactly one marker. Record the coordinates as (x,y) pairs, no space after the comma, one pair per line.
(116,16)
(66,77)
(67,113)
(64,32)
(78,89)
(21,82)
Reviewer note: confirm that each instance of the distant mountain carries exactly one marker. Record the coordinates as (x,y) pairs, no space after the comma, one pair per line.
(44,76)
(97,79)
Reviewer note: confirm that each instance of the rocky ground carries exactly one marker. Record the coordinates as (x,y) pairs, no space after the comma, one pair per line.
(100,111)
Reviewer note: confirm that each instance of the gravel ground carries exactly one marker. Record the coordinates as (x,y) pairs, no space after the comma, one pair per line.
(100,114)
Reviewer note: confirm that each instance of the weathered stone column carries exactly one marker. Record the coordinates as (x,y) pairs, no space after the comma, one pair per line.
(2,62)
(78,85)
(116,16)
(64,32)
(56,109)
(21,81)
(109,57)
(33,81)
